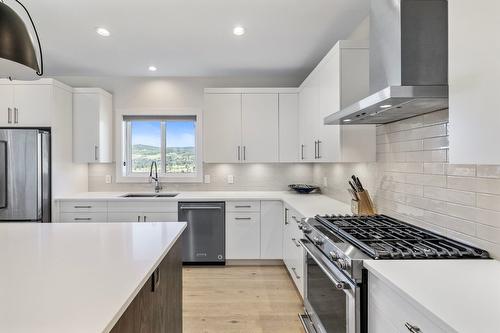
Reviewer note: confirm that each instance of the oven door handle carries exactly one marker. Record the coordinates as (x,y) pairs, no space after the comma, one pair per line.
(341,285)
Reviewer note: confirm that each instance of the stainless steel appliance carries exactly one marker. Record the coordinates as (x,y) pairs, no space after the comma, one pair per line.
(204,238)
(24,175)
(336,246)
(408,63)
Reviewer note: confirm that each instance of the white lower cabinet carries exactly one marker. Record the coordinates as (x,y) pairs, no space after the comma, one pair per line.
(390,312)
(125,216)
(242,235)
(271,230)
(293,254)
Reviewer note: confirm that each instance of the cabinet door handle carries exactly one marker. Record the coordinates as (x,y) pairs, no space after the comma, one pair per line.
(82,206)
(242,206)
(301,152)
(412,328)
(295,242)
(319,154)
(244,153)
(315,152)
(242,218)
(96,152)
(9,115)
(16,115)
(239,153)
(294,270)
(82,219)
(155,279)
(145,218)
(138,218)
(286,216)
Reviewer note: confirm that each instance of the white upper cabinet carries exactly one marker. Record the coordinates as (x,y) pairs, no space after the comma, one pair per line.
(26,104)
(243,125)
(474,71)
(339,80)
(92,126)
(259,125)
(222,128)
(288,127)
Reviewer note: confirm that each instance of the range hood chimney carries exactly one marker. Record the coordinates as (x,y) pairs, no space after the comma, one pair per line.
(408,63)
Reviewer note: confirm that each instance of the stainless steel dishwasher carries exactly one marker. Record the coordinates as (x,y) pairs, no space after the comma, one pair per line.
(204,238)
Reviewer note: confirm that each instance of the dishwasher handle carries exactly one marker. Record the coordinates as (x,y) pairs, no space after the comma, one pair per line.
(199,208)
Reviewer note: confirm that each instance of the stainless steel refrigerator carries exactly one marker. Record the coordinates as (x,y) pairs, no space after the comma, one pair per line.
(25,175)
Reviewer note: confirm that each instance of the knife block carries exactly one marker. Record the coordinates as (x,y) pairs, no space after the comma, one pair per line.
(363,206)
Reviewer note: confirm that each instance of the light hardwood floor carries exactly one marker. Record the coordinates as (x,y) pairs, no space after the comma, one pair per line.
(253,299)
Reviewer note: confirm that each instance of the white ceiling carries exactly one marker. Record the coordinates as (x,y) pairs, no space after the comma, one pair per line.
(191,37)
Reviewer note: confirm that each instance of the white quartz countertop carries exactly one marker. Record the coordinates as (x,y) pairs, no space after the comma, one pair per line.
(306,204)
(464,294)
(76,277)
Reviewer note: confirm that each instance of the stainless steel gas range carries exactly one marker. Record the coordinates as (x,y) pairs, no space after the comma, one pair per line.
(336,246)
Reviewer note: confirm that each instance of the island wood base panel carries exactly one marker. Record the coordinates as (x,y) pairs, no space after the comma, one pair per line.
(158,311)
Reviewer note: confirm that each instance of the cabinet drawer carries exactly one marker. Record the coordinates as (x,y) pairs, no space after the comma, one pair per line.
(83,206)
(389,311)
(243,235)
(243,206)
(83,217)
(143,206)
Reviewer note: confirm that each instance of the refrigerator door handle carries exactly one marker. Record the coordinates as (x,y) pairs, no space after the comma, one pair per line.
(3,174)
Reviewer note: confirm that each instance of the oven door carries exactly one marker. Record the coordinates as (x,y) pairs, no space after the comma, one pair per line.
(332,301)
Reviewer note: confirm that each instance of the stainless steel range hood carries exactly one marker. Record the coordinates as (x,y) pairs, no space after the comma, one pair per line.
(408,63)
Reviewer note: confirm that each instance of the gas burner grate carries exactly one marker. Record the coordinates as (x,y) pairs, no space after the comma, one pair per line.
(383,237)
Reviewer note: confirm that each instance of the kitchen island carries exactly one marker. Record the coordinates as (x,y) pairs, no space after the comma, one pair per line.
(91,277)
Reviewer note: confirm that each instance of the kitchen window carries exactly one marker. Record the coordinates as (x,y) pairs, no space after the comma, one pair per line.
(170,141)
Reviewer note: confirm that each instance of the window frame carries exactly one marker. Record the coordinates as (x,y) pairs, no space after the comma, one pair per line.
(124,139)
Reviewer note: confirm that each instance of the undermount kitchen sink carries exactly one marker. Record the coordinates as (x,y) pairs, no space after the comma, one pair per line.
(150,195)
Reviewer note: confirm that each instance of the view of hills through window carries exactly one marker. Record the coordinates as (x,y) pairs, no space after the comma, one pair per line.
(179,143)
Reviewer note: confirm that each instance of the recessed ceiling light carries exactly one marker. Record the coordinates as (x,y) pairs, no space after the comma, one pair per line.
(385,106)
(239,30)
(346,120)
(103,31)
(152,68)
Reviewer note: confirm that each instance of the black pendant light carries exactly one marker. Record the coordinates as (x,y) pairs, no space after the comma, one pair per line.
(18,59)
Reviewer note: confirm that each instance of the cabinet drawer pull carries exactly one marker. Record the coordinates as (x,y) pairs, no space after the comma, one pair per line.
(82,206)
(82,219)
(243,206)
(242,218)
(295,242)
(294,270)
(155,279)
(413,328)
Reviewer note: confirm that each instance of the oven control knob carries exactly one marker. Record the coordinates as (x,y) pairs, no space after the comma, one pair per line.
(334,255)
(317,241)
(343,264)
(306,229)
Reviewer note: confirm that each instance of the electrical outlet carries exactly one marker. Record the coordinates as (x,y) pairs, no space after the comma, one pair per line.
(108,179)
(325,182)
(207,179)
(230,179)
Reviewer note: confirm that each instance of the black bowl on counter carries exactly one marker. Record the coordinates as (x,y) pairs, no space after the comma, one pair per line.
(303,188)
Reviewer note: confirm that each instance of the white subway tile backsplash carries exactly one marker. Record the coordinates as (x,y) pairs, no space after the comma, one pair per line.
(415,183)
(488,171)
(436,143)
(463,170)
(449,195)
(435,168)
